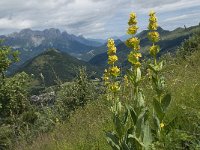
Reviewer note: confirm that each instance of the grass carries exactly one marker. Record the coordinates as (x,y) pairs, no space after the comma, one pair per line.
(84,130)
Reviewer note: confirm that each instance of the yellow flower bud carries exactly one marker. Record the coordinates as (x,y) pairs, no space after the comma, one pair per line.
(162,125)
(132,20)
(153,25)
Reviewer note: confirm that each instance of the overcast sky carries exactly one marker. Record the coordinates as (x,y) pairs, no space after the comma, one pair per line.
(94,18)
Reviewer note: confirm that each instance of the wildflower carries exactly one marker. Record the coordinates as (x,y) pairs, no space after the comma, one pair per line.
(134,57)
(111,43)
(132,20)
(153,25)
(162,125)
(114,87)
(133,43)
(112,59)
(137,64)
(112,50)
(114,71)
(153,36)
(132,29)
(154,49)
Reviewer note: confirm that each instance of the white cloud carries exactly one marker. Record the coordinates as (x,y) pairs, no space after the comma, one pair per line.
(92,18)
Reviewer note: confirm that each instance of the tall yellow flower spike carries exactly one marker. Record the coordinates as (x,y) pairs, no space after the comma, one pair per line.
(153,35)
(133,42)
(113,71)
(153,25)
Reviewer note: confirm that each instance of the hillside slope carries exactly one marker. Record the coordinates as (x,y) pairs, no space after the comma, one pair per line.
(55,65)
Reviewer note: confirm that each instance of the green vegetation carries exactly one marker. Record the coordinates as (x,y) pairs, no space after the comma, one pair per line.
(156,106)
(56,67)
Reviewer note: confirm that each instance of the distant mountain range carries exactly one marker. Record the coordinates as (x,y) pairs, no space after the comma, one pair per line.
(32,43)
(169,42)
(71,49)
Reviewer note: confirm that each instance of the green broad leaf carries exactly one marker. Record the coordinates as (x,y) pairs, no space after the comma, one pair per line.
(138,75)
(160,66)
(113,140)
(152,67)
(166,101)
(118,125)
(130,76)
(156,122)
(125,117)
(133,114)
(136,140)
(147,139)
(158,109)
(140,122)
(141,98)
(125,146)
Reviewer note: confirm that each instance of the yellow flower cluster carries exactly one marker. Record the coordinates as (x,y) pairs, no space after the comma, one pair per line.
(153,35)
(154,49)
(132,24)
(113,70)
(153,25)
(114,87)
(133,58)
(112,58)
(133,42)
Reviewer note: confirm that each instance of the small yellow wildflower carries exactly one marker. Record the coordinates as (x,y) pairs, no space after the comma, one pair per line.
(162,125)
(112,59)
(114,71)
